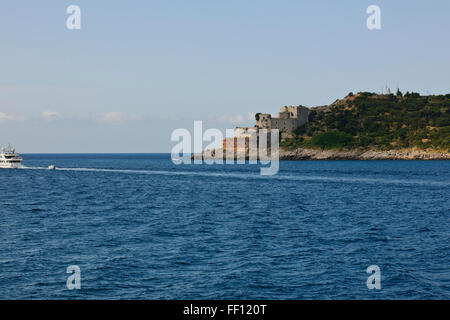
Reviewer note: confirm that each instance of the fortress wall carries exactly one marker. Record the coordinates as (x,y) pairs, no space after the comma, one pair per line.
(283,124)
(303,115)
(284,115)
(288,119)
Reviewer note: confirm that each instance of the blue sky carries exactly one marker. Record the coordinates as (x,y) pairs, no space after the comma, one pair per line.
(139,69)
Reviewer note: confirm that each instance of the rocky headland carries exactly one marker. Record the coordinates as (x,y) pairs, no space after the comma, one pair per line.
(359,154)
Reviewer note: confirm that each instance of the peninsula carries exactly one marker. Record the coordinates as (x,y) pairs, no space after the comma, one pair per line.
(362,126)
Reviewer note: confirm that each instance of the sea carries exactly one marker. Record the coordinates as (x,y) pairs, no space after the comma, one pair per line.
(137,226)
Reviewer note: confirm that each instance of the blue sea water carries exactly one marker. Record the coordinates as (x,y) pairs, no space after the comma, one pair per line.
(140,227)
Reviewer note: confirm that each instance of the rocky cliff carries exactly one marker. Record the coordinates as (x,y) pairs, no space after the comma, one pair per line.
(359,154)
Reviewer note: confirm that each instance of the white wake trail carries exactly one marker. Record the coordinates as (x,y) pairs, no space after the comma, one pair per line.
(254,176)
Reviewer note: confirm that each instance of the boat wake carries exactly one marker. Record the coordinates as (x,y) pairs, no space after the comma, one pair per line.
(304,178)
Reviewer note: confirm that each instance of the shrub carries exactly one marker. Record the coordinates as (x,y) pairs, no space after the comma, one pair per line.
(332,139)
(301,130)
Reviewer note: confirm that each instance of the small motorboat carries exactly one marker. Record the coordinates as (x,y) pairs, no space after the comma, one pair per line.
(177,160)
(51,167)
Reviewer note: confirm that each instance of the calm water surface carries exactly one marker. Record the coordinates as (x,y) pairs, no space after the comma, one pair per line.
(140,227)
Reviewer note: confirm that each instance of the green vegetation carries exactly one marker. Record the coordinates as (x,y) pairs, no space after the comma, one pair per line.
(332,139)
(369,120)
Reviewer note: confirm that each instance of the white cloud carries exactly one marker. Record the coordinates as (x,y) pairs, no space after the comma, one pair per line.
(116,117)
(7,117)
(238,119)
(50,115)
(235,119)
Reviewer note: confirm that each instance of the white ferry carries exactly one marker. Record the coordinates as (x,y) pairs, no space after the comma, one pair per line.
(9,158)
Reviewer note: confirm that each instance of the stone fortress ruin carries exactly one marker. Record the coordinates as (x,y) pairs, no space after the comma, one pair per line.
(289,118)
(248,141)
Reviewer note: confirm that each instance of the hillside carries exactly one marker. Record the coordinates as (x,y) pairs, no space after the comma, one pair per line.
(369,121)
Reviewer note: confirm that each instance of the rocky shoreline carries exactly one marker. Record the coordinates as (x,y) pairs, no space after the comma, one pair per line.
(354,154)
(358,154)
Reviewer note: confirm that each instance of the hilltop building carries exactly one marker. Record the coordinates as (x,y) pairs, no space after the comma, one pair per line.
(289,118)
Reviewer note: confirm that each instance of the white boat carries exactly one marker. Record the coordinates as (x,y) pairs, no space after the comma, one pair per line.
(9,158)
(52,167)
(177,160)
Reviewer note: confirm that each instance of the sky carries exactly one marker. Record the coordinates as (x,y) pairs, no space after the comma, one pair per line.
(137,70)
